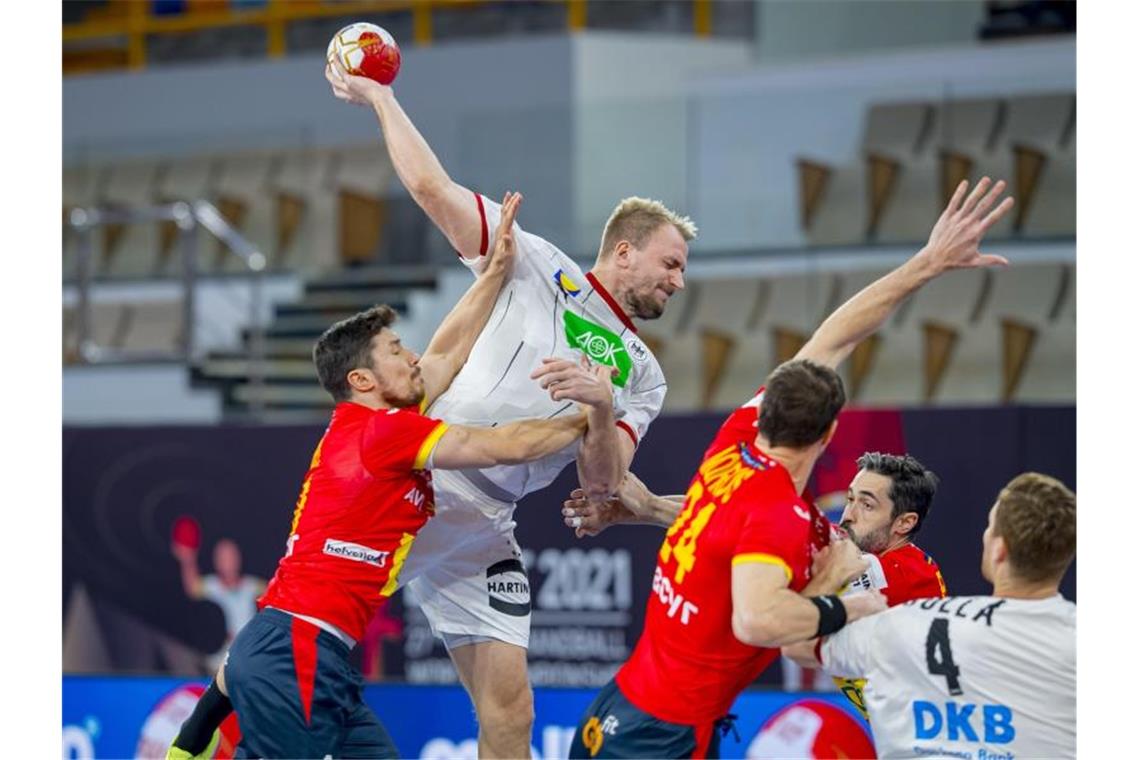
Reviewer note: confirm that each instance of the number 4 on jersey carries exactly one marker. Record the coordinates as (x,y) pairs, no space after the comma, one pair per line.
(939,660)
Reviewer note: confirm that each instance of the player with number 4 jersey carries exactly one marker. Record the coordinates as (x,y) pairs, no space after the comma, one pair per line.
(978,676)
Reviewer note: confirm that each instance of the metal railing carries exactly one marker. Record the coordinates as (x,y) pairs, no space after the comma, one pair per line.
(188,217)
(126,24)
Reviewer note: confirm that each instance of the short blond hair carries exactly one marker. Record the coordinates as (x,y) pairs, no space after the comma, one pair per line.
(635,219)
(1037,517)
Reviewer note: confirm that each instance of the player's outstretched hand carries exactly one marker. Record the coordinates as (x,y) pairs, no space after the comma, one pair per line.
(359,90)
(579,381)
(954,241)
(504,250)
(589,518)
(863,604)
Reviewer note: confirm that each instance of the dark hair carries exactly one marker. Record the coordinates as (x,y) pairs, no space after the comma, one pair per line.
(347,346)
(801,400)
(1037,517)
(912,485)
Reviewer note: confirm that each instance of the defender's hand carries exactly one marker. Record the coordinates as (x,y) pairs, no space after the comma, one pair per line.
(577,381)
(504,251)
(840,562)
(359,90)
(954,241)
(589,518)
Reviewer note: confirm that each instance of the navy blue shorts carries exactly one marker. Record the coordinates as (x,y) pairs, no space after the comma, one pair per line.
(296,695)
(612,727)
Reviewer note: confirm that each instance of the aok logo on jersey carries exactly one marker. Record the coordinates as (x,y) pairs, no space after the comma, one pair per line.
(601,345)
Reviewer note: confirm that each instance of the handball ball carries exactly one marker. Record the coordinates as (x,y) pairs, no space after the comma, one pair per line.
(366,50)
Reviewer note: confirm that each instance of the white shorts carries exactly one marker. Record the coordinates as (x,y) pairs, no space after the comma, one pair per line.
(465,567)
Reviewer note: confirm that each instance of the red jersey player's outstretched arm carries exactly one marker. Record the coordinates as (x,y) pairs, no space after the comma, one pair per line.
(450,205)
(834,561)
(767,613)
(451,345)
(461,446)
(953,244)
(633,504)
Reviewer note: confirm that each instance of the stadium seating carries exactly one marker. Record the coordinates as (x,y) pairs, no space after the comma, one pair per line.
(329,215)
(913,154)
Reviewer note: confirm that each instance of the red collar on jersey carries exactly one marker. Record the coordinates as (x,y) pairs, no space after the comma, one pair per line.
(605,294)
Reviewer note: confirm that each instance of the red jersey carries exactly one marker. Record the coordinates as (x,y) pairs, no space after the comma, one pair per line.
(364,498)
(900,574)
(742,506)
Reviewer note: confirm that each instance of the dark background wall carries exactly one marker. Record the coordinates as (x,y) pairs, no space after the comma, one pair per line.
(123,488)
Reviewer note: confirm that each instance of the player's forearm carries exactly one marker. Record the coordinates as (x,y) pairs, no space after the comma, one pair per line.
(449,206)
(599,455)
(652,509)
(660,510)
(785,617)
(866,311)
(528,440)
(415,162)
(453,340)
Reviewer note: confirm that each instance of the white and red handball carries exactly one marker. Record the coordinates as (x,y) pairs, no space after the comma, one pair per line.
(366,50)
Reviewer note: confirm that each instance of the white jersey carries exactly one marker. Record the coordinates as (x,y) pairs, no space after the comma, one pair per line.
(974,677)
(547,307)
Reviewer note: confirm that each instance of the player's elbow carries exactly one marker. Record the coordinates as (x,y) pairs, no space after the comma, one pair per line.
(425,186)
(802,653)
(755,628)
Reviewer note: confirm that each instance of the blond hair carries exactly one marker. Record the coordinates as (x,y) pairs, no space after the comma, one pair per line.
(1037,517)
(635,219)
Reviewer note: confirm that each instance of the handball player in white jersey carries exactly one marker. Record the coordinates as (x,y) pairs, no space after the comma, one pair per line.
(465,566)
(977,676)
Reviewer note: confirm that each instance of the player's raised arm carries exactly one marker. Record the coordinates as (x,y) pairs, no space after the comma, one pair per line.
(953,244)
(450,346)
(451,206)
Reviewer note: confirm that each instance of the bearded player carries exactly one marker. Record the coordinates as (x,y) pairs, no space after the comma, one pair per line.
(735,567)
(366,496)
(978,676)
(887,502)
(548,308)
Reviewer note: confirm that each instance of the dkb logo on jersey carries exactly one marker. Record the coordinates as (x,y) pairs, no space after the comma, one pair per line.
(600,344)
(961,724)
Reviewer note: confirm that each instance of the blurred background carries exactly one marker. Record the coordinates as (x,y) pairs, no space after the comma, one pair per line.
(221,209)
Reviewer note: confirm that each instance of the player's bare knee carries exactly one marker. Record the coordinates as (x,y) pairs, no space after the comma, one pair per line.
(507,710)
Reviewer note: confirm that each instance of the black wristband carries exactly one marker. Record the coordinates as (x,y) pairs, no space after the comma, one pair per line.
(198,730)
(832,614)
